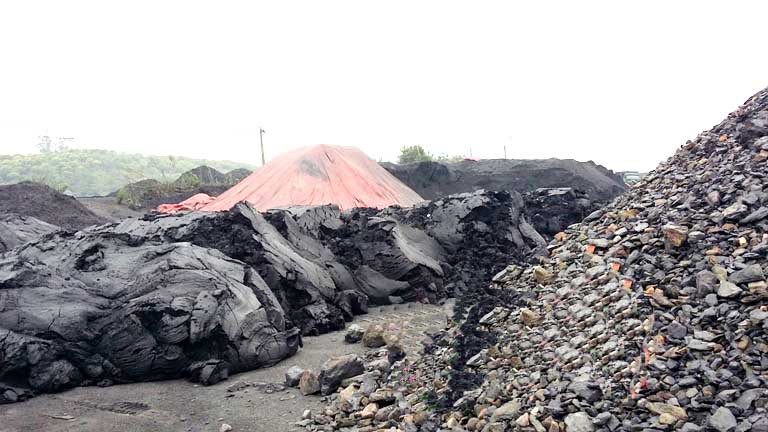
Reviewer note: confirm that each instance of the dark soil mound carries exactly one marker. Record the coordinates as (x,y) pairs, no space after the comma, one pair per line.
(42,202)
(433,180)
(147,194)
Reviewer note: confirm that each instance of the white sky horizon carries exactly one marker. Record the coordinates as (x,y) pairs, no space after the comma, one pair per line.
(621,84)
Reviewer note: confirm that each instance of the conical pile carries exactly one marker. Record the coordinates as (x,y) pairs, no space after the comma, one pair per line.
(319,175)
(651,315)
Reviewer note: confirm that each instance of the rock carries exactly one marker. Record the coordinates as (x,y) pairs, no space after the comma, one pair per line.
(354,334)
(337,369)
(508,411)
(293,375)
(542,275)
(752,273)
(225,428)
(579,422)
(722,420)
(728,290)
(675,235)
(309,383)
(374,336)
(529,317)
(661,408)
(667,419)
(369,411)
(209,372)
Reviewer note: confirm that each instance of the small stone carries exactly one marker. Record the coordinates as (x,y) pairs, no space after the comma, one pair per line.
(354,334)
(722,420)
(523,420)
(579,422)
(667,419)
(374,336)
(369,411)
(309,383)
(529,317)
(293,375)
(225,428)
(752,273)
(675,235)
(508,411)
(662,408)
(728,289)
(542,275)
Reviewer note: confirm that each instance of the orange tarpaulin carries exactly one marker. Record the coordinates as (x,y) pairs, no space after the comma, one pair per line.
(195,202)
(317,175)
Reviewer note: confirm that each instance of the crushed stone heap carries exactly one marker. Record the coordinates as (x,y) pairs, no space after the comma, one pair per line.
(649,316)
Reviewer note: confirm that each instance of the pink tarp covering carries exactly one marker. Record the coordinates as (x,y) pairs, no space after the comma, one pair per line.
(195,202)
(317,175)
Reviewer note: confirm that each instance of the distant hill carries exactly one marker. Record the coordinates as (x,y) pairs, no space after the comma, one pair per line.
(99,172)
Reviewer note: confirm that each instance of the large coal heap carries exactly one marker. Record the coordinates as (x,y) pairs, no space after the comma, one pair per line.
(648,316)
(204,294)
(99,307)
(46,204)
(434,180)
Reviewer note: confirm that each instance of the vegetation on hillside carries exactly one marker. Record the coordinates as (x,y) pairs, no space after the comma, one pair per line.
(417,153)
(98,172)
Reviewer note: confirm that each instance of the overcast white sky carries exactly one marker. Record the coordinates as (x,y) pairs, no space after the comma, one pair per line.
(620,83)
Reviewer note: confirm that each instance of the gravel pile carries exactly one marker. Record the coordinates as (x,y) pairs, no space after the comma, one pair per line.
(648,316)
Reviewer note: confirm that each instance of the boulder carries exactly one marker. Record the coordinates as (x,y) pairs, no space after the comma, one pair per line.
(337,369)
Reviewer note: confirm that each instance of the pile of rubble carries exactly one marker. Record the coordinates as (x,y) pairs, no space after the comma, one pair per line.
(650,315)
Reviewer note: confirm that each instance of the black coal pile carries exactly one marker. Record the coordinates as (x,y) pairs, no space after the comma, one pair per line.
(15,230)
(552,210)
(99,308)
(46,204)
(147,194)
(434,180)
(390,262)
(648,316)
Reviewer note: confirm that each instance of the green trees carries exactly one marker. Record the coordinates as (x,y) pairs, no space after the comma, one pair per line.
(417,153)
(98,172)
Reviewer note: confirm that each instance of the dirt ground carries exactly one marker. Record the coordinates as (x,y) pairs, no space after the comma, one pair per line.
(179,405)
(108,208)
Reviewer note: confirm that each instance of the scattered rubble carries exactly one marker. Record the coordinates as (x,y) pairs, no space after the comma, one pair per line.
(654,317)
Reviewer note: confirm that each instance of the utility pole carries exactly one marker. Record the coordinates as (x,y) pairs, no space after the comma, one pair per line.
(505,152)
(261,140)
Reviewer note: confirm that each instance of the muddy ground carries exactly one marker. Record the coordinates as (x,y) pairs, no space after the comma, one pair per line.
(179,405)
